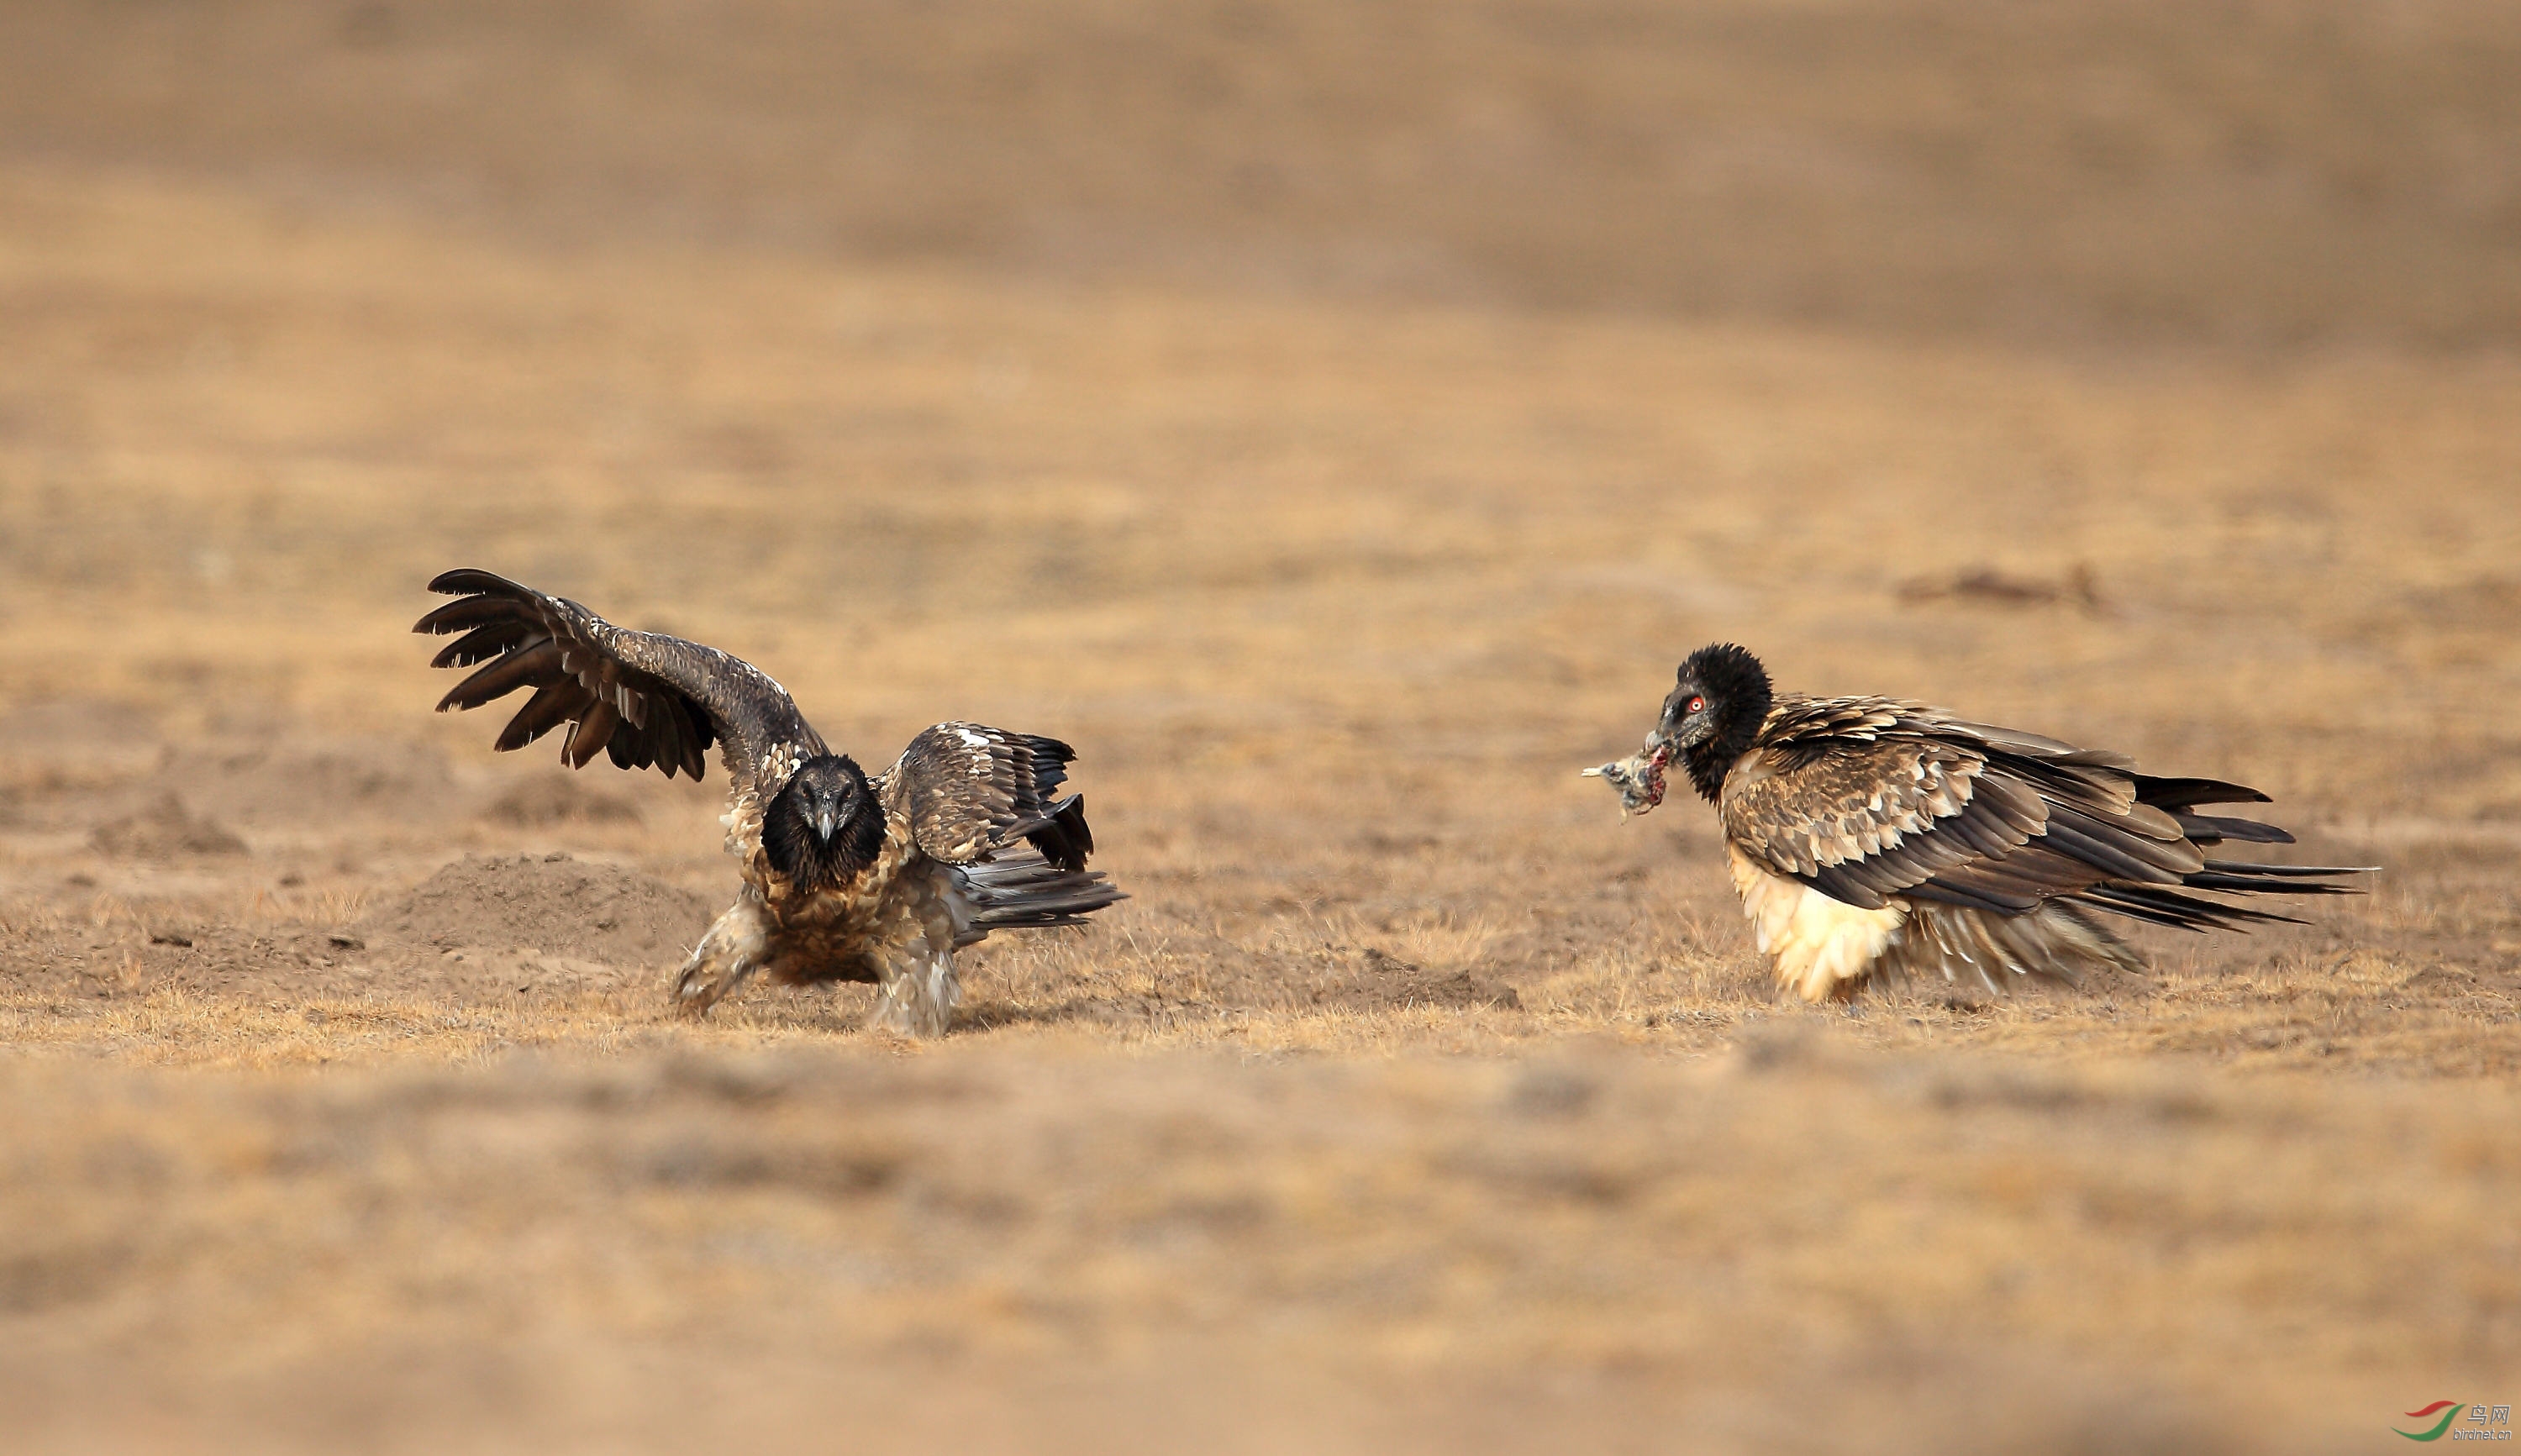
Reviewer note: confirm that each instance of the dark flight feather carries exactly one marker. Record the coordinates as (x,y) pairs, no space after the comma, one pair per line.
(2182,794)
(2214,829)
(969,789)
(532,665)
(483,643)
(553,703)
(642,699)
(593,731)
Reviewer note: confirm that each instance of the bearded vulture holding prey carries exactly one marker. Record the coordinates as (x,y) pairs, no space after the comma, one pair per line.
(1872,836)
(845,876)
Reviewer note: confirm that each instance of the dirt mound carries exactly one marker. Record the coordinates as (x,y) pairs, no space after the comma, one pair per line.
(541,802)
(165,829)
(553,903)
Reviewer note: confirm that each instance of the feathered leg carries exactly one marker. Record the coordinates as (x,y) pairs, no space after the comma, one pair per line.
(1991,952)
(1824,948)
(919,990)
(727,956)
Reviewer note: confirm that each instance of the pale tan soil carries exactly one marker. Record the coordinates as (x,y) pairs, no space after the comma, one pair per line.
(1412,1101)
(1595,1244)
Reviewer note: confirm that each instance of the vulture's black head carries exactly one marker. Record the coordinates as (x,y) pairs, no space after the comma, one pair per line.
(1714,712)
(825,826)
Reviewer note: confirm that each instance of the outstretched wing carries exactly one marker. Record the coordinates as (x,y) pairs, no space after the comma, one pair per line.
(970,790)
(643,699)
(1867,799)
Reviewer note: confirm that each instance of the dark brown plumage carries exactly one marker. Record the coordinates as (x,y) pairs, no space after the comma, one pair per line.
(846,877)
(1873,836)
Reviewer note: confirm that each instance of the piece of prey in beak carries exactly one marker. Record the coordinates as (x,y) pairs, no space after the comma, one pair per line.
(1638,777)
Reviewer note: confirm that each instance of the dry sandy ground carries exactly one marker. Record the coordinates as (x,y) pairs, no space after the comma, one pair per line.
(1413,1101)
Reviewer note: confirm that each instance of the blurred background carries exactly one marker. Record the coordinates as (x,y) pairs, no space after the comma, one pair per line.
(2270,176)
(1336,419)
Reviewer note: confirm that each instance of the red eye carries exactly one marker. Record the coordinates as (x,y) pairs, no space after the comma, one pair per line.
(1695,703)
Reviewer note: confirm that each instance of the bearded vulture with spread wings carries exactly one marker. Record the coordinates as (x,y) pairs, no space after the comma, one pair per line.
(845,876)
(1872,836)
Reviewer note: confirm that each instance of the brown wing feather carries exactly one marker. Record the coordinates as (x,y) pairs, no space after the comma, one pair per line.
(1867,797)
(968,789)
(639,697)
(1868,818)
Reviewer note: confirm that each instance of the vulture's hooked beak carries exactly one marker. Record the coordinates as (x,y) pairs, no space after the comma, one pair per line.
(826,822)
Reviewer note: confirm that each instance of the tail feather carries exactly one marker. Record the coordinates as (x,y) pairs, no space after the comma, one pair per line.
(1025,892)
(2164,905)
(2263,880)
(2150,897)
(2293,871)
(2169,907)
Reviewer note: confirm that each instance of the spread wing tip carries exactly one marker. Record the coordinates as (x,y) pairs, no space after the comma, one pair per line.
(469,580)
